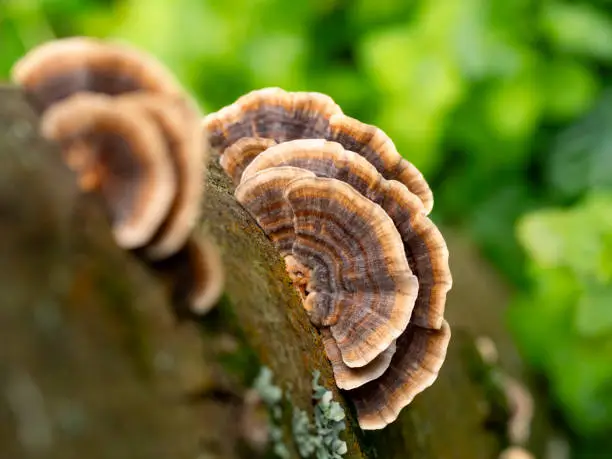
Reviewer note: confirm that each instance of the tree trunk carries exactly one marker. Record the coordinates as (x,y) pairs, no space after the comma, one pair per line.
(95,364)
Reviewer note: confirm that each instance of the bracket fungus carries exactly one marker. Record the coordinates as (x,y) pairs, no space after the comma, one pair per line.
(273,113)
(121,154)
(133,137)
(238,156)
(350,217)
(60,68)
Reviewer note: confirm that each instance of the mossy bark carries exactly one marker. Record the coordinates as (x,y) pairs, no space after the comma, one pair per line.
(94,364)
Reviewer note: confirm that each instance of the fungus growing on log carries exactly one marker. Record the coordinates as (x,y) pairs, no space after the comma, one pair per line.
(272,113)
(238,156)
(414,367)
(121,154)
(354,275)
(60,68)
(179,122)
(361,286)
(263,196)
(348,378)
(195,276)
(333,228)
(132,135)
(423,244)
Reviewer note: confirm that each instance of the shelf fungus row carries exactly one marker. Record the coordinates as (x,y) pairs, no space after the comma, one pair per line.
(350,217)
(133,137)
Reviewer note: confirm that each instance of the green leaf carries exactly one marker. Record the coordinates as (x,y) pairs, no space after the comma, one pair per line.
(416,133)
(541,320)
(578,28)
(581,155)
(581,377)
(514,106)
(572,238)
(570,88)
(594,311)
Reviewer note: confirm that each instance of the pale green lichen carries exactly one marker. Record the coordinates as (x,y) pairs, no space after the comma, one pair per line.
(272,396)
(322,439)
(269,393)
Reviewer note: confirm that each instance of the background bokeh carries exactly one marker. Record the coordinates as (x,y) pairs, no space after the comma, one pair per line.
(505,106)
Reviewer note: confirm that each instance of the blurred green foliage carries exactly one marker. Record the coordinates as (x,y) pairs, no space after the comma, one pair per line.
(505,105)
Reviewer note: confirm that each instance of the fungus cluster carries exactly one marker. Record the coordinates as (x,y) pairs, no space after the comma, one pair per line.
(133,137)
(350,217)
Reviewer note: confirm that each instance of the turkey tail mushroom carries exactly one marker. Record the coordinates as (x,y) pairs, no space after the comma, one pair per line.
(339,229)
(361,285)
(240,154)
(341,251)
(413,368)
(60,68)
(179,122)
(122,155)
(131,134)
(423,244)
(272,113)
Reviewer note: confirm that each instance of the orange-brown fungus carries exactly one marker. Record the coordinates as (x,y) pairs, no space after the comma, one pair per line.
(125,157)
(179,121)
(271,113)
(60,68)
(282,116)
(348,378)
(334,231)
(132,135)
(423,244)
(361,285)
(238,156)
(262,196)
(411,371)
(299,275)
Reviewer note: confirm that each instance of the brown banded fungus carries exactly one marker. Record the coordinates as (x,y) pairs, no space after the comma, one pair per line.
(263,196)
(279,115)
(60,68)
(414,367)
(348,378)
(133,136)
(423,244)
(194,275)
(361,285)
(344,253)
(324,226)
(122,155)
(179,121)
(240,154)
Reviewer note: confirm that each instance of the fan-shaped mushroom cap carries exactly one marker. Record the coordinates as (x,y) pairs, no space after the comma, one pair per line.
(271,113)
(240,154)
(414,367)
(325,159)
(262,196)
(121,152)
(179,121)
(350,378)
(423,244)
(276,114)
(60,68)
(360,283)
(426,251)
